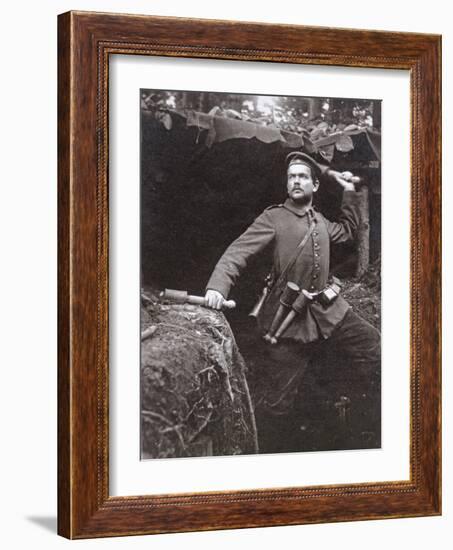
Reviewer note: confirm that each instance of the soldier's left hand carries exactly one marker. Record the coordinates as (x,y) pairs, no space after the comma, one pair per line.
(345,179)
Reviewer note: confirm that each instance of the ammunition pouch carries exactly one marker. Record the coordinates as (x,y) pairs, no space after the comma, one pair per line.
(329,294)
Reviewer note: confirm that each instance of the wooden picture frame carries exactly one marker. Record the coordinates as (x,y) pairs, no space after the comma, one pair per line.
(85,41)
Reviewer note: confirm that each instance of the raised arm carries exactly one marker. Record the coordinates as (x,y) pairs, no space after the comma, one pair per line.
(345,228)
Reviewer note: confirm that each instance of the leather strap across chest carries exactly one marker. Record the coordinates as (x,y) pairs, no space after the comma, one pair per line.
(296,254)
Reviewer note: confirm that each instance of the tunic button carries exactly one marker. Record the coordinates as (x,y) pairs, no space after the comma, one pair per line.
(312,287)
(316,265)
(315,276)
(315,233)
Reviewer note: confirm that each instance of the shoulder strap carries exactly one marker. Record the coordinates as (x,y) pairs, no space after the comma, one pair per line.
(296,254)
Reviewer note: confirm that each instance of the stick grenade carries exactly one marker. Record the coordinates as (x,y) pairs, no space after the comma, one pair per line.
(358,182)
(183,297)
(299,304)
(286,299)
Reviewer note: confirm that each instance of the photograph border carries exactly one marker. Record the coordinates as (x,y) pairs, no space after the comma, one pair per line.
(85,42)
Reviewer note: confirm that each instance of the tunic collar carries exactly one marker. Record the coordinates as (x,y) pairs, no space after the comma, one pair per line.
(299,210)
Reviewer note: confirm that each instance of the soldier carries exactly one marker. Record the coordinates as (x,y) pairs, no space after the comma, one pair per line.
(300,237)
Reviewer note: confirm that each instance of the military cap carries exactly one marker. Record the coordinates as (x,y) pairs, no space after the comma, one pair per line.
(297,157)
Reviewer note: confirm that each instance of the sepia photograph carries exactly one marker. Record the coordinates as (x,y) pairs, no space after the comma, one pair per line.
(260,263)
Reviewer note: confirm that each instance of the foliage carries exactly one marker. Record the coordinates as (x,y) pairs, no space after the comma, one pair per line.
(313,117)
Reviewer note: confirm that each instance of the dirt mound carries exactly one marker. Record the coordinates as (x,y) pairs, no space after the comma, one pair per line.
(364,295)
(194,395)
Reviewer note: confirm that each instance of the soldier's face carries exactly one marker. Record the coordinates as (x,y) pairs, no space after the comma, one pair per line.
(301,184)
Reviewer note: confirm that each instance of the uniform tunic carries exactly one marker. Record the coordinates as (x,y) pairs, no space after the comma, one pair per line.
(283,227)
